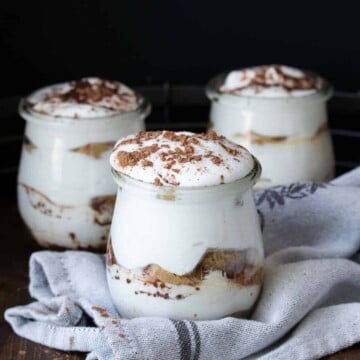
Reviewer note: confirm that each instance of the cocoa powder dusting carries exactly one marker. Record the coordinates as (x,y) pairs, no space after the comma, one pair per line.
(101,311)
(184,148)
(264,78)
(109,94)
(146,163)
(216,160)
(125,158)
(157,182)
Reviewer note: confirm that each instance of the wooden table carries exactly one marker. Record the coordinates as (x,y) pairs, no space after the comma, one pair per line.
(15,249)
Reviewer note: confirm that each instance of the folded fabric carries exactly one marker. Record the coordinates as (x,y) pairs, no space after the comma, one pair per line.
(309,306)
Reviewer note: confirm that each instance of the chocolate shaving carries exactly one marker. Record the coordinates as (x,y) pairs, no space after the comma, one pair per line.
(184,148)
(100,92)
(265,78)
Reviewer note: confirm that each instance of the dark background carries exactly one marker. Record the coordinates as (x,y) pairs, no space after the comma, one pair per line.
(179,41)
(158,47)
(168,50)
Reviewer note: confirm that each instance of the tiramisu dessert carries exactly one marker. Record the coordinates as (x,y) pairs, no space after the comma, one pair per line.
(279,114)
(65,191)
(185,241)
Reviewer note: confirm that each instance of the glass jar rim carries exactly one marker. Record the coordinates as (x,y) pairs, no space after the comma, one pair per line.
(25,110)
(243,183)
(213,92)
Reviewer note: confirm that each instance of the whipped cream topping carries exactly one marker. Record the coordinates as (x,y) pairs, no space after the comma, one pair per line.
(86,98)
(181,158)
(271,81)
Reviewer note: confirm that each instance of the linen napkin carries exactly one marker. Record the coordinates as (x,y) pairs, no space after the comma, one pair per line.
(309,306)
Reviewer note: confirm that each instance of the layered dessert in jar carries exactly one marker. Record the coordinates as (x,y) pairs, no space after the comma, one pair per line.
(185,241)
(65,191)
(279,113)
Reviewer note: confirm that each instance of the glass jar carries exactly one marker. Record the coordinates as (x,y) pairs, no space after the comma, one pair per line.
(185,252)
(65,191)
(289,135)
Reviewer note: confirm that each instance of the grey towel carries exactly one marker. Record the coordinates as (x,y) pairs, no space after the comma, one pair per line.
(309,306)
